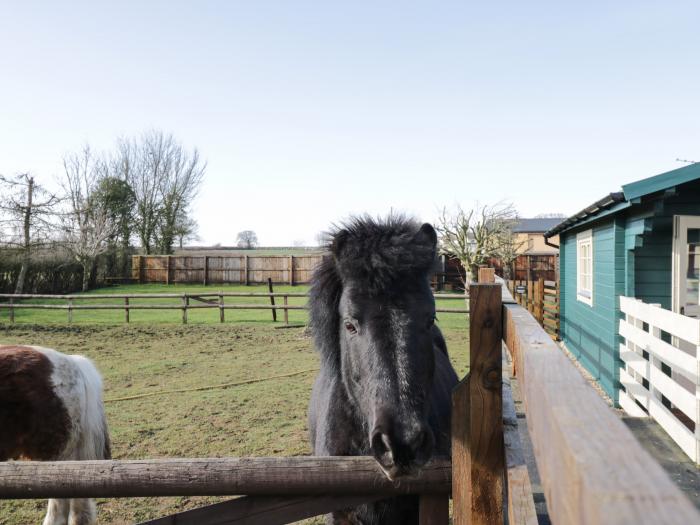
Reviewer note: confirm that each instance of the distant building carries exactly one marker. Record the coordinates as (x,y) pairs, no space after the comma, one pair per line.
(530,233)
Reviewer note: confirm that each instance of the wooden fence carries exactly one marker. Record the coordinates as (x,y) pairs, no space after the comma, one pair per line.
(530,267)
(541,299)
(184,302)
(661,373)
(592,469)
(224,269)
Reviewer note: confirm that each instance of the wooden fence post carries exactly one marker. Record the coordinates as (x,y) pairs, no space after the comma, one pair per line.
(185,304)
(286,311)
(12,309)
(461,470)
(221,307)
(487,275)
(540,300)
(206,268)
(245,269)
(486,404)
(126,309)
(70,310)
(272,299)
(141,269)
(530,302)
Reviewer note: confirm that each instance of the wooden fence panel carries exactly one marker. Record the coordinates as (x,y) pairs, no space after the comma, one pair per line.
(186,269)
(225,270)
(234,269)
(154,269)
(303,267)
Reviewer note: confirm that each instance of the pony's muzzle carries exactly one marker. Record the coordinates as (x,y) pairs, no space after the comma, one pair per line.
(399,457)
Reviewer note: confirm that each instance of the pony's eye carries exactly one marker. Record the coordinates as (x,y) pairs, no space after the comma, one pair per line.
(431,322)
(350,327)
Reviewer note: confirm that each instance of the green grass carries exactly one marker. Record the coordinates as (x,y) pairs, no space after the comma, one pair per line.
(266,418)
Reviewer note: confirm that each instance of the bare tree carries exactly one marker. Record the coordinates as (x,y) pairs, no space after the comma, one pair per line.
(247,239)
(26,218)
(475,236)
(165,178)
(86,223)
(186,229)
(508,252)
(133,165)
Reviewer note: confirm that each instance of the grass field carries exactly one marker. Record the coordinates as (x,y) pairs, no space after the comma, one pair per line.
(265,418)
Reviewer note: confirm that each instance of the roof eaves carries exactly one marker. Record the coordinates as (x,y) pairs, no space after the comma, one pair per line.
(635,190)
(601,205)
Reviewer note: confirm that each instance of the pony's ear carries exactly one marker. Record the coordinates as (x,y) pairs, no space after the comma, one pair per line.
(339,240)
(426,235)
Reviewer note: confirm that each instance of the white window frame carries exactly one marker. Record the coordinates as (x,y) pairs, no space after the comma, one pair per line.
(584,261)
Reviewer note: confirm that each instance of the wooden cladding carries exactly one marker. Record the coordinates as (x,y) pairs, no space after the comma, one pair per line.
(229,269)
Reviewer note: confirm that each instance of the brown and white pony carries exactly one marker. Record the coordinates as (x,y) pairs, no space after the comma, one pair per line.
(51,410)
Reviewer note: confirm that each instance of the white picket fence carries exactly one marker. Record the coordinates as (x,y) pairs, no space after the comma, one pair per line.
(643,328)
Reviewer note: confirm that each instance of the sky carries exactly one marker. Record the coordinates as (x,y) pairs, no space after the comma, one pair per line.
(308,112)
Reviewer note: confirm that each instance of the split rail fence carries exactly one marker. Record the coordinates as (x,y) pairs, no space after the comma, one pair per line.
(661,372)
(592,469)
(185,303)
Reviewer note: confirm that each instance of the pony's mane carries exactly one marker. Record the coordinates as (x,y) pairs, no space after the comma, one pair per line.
(377,254)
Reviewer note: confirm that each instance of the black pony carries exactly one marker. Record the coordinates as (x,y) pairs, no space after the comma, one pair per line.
(385,380)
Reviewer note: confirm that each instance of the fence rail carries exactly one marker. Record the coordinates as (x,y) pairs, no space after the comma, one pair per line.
(661,373)
(255,476)
(592,468)
(187,302)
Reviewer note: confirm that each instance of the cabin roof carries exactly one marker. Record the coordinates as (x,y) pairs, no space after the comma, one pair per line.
(631,194)
(537,225)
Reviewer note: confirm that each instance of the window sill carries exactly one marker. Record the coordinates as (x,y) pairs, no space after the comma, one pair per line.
(584,298)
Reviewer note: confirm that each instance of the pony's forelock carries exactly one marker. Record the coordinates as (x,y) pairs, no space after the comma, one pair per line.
(376,255)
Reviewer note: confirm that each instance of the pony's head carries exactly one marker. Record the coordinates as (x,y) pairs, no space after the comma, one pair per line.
(373,313)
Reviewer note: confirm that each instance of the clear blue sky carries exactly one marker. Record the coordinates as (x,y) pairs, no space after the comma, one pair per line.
(309,111)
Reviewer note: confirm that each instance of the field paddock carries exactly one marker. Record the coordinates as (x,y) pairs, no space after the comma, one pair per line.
(266,418)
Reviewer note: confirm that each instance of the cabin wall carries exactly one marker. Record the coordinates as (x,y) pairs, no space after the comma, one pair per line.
(652,253)
(590,332)
(632,256)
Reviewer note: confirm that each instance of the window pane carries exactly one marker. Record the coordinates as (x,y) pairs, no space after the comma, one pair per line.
(693,292)
(693,235)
